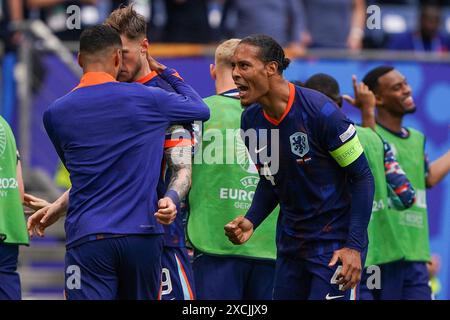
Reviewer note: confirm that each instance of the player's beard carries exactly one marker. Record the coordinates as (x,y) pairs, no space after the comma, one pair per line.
(411,110)
(131,76)
(124,77)
(245,105)
(134,74)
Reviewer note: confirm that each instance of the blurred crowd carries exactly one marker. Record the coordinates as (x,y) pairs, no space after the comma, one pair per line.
(297,24)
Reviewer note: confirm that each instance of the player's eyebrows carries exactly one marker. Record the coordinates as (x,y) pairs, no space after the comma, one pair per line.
(242,61)
(398,83)
(125,48)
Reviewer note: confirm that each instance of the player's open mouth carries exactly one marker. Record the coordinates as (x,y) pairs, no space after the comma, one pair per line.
(242,90)
(409,101)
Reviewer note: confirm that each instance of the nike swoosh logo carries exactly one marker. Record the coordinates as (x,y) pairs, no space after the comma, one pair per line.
(259,150)
(328,297)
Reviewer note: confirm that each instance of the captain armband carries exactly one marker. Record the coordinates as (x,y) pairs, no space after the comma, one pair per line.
(348,152)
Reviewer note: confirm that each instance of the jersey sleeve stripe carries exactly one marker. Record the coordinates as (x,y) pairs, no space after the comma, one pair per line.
(178,143)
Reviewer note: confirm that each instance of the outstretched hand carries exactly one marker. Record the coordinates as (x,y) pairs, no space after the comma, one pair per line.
(43,218)
(34,202)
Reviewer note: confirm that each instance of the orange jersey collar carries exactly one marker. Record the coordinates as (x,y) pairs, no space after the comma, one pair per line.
(276,122)
(94,78)
(147,78)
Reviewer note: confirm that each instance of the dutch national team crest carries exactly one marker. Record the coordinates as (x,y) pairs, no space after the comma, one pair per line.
(299,144)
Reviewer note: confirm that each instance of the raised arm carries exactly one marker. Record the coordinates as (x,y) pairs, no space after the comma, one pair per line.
(183,106)
(438,170)
(365,101)
(356,34)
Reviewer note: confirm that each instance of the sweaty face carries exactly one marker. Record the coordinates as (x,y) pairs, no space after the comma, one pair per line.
(249,74)
(131,63)
(396,93)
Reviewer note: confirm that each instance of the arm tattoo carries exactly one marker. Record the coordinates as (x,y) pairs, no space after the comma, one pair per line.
(180,166)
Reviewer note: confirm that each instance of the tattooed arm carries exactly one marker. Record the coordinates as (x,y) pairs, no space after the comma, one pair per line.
(177,152)
(179,163)
(178,155)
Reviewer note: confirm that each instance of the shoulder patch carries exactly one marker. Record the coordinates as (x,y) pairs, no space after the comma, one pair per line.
(348,133)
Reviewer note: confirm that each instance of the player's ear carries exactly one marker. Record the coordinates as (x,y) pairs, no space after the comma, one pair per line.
(144,46)
(271,68)
(212,71)
(339,101)
(117,58)
(378,100)
(80,61)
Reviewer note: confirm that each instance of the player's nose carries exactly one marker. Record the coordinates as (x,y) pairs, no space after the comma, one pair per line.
(407,90)
(235,74)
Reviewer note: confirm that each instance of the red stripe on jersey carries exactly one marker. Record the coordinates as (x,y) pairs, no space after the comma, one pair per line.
(176,74)
(186,280)
(401,189)
(177,143)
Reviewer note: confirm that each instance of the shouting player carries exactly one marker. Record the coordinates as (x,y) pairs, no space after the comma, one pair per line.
(322,181)
(222,270)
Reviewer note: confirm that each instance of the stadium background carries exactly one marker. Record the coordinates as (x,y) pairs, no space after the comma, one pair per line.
(49,77)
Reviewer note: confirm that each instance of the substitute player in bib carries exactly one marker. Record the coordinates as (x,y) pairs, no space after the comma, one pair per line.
(12,222)
(322,181)
(405,245)
(222,191)
(392,187)
(114,242)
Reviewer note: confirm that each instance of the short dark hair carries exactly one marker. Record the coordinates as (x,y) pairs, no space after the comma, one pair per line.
(270,50)
(98,38)
(371,78)
(325,84)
